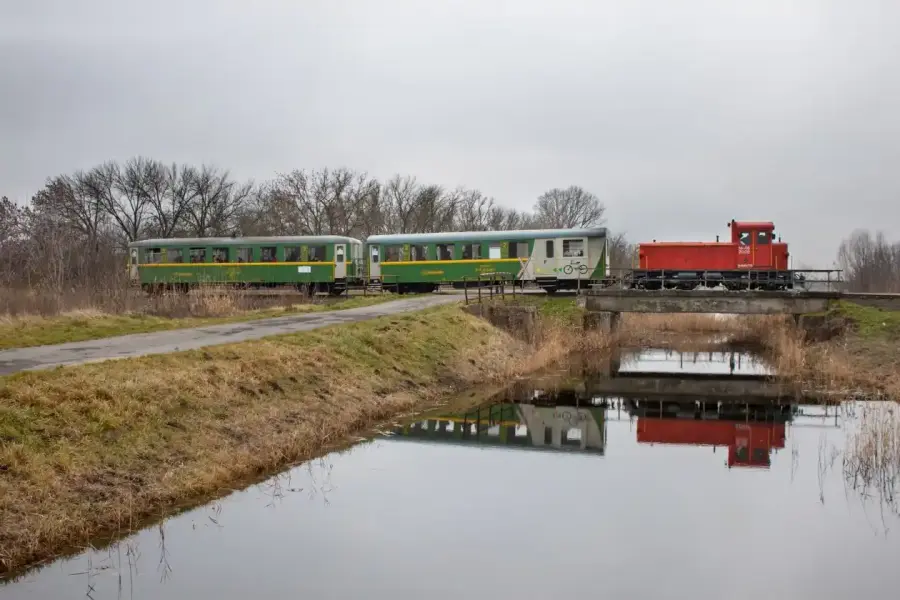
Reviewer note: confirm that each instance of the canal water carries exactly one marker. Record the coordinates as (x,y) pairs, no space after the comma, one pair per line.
(543,495)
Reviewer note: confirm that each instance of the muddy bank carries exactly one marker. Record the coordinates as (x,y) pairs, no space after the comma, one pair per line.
(96,450)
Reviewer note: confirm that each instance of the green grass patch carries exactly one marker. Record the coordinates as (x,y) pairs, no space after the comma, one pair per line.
(869,322)
(562,309)
(29,331)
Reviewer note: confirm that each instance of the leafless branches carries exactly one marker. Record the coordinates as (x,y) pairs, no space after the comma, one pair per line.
(870,263)
(570,207)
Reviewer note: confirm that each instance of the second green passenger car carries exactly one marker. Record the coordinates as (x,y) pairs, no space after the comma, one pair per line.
(554,259)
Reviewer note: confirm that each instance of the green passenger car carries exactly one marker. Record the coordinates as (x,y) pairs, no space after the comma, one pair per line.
(554,259)
(324,263)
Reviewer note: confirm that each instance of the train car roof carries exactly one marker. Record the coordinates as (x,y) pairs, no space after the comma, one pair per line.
(484,236)
(245,241)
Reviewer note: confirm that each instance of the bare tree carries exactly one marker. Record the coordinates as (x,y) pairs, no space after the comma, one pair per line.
(473,210)
(216,203)
(73,201)
(870,263)
(170,192)
(570,207)
(621,252)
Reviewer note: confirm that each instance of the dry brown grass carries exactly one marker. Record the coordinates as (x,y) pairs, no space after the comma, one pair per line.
(872,455)
(99,449)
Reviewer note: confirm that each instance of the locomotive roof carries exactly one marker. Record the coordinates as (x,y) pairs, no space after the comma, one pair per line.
(754,224)
(244,241)
(484,236)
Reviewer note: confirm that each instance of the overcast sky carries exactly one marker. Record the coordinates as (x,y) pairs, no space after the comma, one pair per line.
(679,115)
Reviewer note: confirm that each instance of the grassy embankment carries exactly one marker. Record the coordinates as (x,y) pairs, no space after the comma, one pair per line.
(95,451)
(174,312)
(860,356)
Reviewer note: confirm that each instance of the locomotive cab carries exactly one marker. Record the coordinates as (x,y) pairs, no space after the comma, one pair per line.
(755,244)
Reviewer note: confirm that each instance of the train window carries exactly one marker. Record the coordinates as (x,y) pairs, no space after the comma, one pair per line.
(339,254)
(573,248)
(268,254)
(198,255)
(549,247)
(220,255)
(393,253)
(174,255)
(445,251)
(418,252)
(374,254)
(762,238)
(245,254)
(471,251)
(152,256)
(518,249)
(317,254)
(292,253)
(494,252)
(744,238)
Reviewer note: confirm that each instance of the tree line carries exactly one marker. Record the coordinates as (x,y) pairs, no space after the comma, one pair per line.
(75,228)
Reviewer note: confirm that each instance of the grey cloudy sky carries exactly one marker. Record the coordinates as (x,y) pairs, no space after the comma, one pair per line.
(679,115)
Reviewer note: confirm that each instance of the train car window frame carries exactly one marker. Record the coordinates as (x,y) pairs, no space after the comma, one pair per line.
(518,249)
(174,255)
(244,254)
(743,238)
(268,254)
(418,252)
(339,254)
(152,256)
(375,254)
(573,248)
(763,238)
(292,253)
(471,251)
(393,253)
(317,253)
(549,248)
(495,251)
(197,253)
(444,251)
(220,254)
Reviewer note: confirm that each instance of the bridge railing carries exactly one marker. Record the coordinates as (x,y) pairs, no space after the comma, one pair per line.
(493,284)
(805,279)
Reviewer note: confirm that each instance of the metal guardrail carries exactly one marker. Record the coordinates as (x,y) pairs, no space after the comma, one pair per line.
(494,282)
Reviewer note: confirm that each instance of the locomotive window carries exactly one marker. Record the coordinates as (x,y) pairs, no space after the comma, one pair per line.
(393,253)
(220,255)
(152,256)
(174,255)
(268,254)
(245,254)
(744,239)
(762,238)
(291,253)
(317,254)
(417,252)
(445,251)
(573,248)
(198,255)
(549,249)
(471,251)
(518,249)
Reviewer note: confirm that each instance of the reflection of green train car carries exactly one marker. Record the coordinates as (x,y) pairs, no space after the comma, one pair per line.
(323,263)
(552,258)
(516,425)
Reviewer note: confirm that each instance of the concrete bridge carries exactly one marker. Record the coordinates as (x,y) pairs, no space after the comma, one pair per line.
(749,302)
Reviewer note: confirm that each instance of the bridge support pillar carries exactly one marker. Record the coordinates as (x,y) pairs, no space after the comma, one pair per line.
(607,322)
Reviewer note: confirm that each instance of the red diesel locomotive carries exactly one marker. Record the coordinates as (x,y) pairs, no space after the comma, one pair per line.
(753,259)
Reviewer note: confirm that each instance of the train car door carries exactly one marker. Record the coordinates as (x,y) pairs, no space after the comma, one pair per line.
(374,262)
(340,261)
(745,249)
(762,249)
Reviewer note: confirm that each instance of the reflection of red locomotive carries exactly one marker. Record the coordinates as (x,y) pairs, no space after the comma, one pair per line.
(752,259)
(749,444)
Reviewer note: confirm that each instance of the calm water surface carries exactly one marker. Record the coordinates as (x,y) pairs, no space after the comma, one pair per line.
(530,501)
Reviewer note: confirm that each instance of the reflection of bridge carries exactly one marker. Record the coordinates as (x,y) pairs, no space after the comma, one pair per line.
(514,425)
